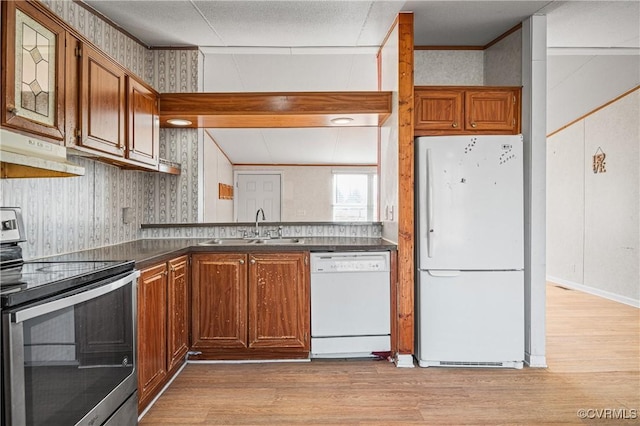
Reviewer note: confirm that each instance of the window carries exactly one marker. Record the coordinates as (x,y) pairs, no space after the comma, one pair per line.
(354,197)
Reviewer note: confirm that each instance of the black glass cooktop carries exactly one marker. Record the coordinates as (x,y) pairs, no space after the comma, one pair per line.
(36,280)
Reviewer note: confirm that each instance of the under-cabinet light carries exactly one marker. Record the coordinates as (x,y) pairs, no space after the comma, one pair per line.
(342,120)
(179,122)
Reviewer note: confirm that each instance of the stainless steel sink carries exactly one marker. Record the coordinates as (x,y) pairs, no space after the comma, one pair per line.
(280,241)
(227,242)
(247,241)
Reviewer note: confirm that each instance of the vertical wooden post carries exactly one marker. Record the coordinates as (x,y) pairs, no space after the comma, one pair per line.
(405,289)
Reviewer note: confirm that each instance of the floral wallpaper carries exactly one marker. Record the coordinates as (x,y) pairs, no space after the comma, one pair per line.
(174,199)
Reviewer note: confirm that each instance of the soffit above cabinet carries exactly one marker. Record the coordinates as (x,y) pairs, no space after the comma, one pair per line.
(271,110)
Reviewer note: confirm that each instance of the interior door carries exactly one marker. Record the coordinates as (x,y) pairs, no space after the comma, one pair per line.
(258,191)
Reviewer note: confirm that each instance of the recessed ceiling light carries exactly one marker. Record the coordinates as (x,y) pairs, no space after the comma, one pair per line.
(179,122)
(342,120)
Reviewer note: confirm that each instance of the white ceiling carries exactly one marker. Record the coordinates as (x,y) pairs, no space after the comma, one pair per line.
(321,45)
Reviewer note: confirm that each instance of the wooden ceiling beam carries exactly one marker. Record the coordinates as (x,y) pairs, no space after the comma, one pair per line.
(279,109)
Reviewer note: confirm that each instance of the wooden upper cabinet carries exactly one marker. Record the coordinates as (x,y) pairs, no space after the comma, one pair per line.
(219,299)
(443,110)
(439,110)
(279,301)
(33,71)
(152,331)
(102,103)
(144,123)
(491,109)
(178,312)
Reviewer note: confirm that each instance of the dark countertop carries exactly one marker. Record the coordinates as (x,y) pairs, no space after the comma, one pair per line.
(151,251)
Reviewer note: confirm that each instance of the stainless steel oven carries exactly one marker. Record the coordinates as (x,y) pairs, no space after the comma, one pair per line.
(68,342)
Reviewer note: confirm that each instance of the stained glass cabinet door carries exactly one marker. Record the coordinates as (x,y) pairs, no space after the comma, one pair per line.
(33,71)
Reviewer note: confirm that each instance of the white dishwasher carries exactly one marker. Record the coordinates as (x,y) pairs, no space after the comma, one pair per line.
(350,304)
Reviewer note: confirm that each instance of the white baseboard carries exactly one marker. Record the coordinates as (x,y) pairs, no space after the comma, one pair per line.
(535,361)
(404,361)
(595,291)
(247,361)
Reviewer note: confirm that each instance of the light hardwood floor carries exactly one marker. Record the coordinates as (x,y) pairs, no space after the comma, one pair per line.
(593,354)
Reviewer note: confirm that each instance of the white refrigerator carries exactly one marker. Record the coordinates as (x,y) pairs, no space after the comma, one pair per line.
(469,251)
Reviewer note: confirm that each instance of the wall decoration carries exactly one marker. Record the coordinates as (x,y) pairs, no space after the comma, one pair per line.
(599,165)
(225,192)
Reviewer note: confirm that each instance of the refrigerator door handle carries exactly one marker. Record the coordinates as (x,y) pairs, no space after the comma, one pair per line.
(444,274)
(430,234)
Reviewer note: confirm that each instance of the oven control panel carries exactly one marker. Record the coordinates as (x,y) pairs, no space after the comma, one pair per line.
(11,229)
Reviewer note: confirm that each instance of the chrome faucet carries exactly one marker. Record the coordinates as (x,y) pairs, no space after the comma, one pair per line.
(257,231)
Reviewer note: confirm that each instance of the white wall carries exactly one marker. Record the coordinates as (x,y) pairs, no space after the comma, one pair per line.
(594,227)
(581,83)
(217,169)
(389,173)
(307,191)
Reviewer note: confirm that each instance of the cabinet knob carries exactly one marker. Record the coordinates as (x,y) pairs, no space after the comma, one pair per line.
(12,109)
(242,261)
(454,125)
(253,261)
(473,125)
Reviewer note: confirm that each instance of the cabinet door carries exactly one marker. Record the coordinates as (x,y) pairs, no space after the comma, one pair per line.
(32,71)
(144,123)
(178,312)
(102,103)
(439,109)
(152,331)
(491,110)
(279,300)
(219,300)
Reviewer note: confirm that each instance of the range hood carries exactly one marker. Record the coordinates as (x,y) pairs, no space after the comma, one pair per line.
(26,157)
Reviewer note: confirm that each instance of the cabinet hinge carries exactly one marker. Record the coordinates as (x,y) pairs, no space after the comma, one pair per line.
(514,121)
(514,99)
(77,51)
(306,260)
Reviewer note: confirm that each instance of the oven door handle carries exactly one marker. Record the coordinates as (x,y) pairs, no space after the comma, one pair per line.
(45,308)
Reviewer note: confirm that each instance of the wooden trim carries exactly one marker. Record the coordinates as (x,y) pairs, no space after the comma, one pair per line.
(386,38)
(448,47)
(219,148)
(271,165)
(594,111)
(503,36)
(405,288)
(485,47)
(108,21)
(475,88)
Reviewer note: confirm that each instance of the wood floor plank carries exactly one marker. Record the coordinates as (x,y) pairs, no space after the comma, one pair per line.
(593,356)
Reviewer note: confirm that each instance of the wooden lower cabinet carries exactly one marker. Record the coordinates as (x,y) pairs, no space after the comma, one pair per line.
(152,332)
(178,312)
(250,305)
(163,318)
